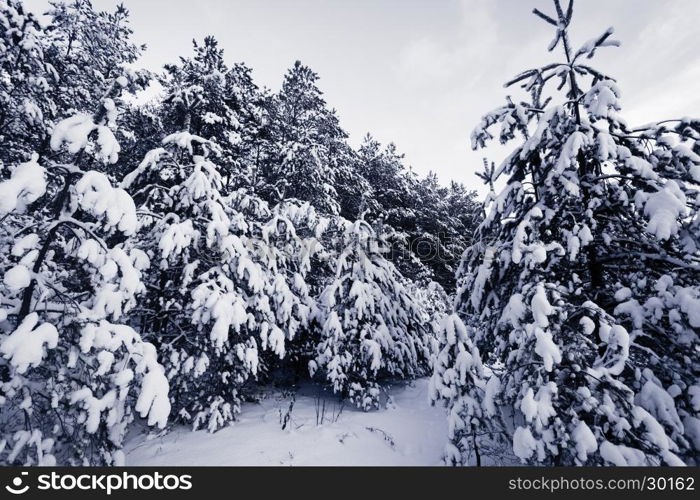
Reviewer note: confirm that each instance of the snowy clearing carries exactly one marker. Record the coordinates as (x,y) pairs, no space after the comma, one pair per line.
(409,432)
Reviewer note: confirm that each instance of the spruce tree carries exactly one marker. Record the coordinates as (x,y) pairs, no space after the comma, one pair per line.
(26,104)
(372,328)
(308,157)
(427,225)
(72,375)
(581,288)
(87,49)
(221,104)
(194,311)
(227,290)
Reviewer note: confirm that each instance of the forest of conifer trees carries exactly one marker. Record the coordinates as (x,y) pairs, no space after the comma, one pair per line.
(164,261)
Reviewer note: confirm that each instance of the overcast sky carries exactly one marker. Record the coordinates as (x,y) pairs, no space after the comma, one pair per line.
(420,73)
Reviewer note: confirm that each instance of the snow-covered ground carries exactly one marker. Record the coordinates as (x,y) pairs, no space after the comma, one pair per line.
(408,432)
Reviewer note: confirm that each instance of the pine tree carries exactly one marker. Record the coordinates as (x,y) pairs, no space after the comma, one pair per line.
(428,226)
(87,49)
(391,186)
(459,379)
(250,133)
(582,283)
(228,293)
(26,105)
(220,104)
(308,156)
(390,202)
(445,220)
(195,312)
(70,371)
(290,248)
(372,329)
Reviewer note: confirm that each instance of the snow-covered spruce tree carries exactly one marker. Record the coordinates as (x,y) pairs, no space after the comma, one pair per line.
(194,311)
(289,248)
(25,78)
(460,380)
(432,224)
(582,287)
(372,329)
(248,138)
(71,375)
(227,284)
(307,155)
(86,49)
(390,200)
(222,104)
